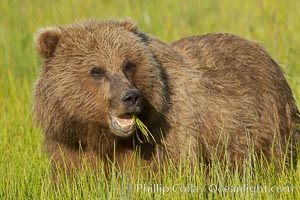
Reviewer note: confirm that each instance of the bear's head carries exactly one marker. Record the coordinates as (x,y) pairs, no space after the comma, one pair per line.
(97,72)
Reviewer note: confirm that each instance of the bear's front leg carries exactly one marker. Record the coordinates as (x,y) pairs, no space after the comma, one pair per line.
(70,159)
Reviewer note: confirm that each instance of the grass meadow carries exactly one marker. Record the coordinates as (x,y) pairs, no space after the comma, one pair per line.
(25,169)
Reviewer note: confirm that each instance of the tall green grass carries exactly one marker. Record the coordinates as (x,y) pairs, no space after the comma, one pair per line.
(24,168)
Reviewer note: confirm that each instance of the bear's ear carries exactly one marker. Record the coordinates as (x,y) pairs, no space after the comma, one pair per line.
(130,26)
(46,40)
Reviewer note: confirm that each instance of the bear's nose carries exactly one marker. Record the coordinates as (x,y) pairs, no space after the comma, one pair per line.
(131,97)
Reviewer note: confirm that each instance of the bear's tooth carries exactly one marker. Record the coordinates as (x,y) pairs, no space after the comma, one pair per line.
(124,122)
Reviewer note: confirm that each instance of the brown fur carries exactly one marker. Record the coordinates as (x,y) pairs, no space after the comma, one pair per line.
(203,96)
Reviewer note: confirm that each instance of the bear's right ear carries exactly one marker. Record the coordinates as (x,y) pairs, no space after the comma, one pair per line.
(46,40)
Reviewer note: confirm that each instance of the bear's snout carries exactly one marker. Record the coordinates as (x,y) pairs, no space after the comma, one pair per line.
(131,98)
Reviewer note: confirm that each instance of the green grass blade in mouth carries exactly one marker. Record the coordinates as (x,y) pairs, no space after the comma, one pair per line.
(144,130)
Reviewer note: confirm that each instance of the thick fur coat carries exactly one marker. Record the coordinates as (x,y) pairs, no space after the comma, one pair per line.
(201,97)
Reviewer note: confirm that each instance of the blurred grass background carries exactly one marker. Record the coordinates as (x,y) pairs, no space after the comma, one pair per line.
(23,166)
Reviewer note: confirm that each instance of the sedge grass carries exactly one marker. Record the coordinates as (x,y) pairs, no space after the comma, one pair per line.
(148,136)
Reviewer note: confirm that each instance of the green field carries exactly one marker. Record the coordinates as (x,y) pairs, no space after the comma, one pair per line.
(24,168)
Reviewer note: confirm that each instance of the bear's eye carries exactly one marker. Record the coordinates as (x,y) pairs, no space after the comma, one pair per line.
(97,72)
(128,67)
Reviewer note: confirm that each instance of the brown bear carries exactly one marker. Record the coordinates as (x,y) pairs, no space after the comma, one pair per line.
(201,97)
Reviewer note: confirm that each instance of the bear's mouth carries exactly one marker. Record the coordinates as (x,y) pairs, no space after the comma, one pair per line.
(123,124)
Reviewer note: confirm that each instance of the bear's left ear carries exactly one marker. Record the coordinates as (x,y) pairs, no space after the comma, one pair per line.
(46,40)
(129,25)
